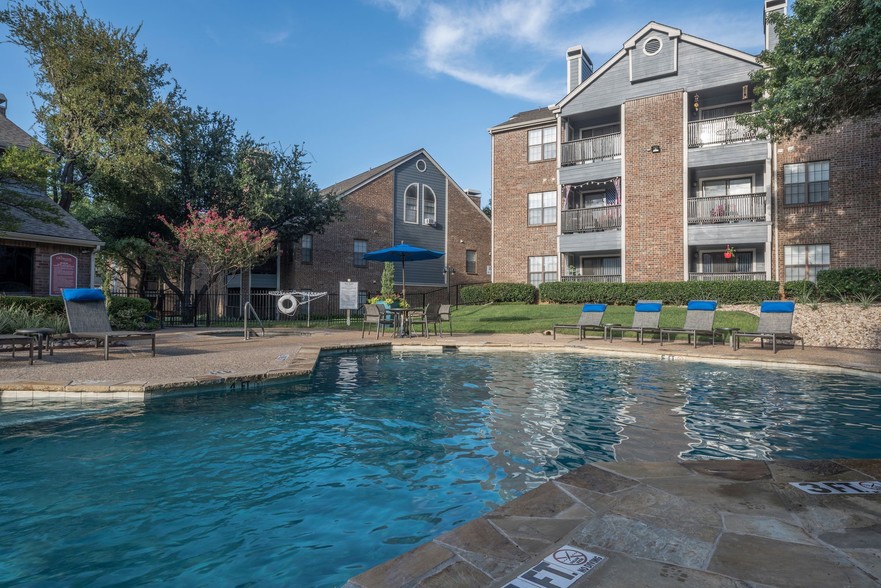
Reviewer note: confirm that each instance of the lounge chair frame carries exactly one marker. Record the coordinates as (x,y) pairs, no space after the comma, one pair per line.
(591,319)
(644,321)
(88,320)
(22,341)
(699,318)
(775,324)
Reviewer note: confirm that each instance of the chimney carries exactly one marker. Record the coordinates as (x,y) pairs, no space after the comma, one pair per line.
(578,67)
(474,195)
(3,104)
(772,7)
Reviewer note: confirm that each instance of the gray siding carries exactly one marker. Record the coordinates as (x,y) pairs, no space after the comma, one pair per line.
(729,233)
(728,154)
(662,63)
(598,170)
(698,68)
(590,242)
(428,272)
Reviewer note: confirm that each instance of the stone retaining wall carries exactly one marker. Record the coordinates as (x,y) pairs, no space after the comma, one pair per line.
(832,325)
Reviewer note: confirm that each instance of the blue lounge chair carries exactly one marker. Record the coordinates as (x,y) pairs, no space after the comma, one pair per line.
(646,319)
(591,319)
(775,323)
(699,317)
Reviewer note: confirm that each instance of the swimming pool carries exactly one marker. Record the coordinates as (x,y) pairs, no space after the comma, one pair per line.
(311,482)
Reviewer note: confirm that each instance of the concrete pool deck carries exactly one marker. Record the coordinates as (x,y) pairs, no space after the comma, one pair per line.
(656,520)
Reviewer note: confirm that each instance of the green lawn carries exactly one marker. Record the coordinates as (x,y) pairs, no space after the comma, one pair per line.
(535,318)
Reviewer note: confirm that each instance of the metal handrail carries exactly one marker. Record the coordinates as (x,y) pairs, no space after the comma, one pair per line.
(249,306)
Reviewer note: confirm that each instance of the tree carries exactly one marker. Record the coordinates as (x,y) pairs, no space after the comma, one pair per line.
(824,69)
(100,99)
(220,243)
(488,209)
(23,175)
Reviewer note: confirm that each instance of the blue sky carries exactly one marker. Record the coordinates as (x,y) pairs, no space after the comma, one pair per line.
(361,82)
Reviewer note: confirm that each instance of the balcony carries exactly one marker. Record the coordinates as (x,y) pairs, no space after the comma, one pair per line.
(607,278)
(727,209)
(718,131)
(712,276)
(592,149)
(588,220)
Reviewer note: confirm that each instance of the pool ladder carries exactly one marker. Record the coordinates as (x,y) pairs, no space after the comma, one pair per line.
(249,310)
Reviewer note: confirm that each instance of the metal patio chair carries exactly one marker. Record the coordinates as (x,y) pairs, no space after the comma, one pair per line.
(646,318)
(591,319)
(775,323)
(699,317)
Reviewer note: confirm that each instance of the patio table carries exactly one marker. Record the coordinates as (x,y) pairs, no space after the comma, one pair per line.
(402,320)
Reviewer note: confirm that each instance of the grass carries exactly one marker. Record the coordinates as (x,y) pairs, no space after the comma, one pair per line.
(532,318)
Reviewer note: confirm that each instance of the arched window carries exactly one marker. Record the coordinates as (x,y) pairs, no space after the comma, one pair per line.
(411,204)
(429,205)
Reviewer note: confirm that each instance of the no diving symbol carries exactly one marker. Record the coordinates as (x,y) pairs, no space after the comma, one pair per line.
(570,557)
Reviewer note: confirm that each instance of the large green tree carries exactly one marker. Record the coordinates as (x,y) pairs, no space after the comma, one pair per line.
(23,178)
(825,68)
(100,101)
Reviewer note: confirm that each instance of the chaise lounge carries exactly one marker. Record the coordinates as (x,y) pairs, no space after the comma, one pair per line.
(591,319)
(699,317)
(646,318)
(87,319)
(775,323)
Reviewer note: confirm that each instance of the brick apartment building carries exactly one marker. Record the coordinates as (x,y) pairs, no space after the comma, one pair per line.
(641,173)
(410,199)
(38,258)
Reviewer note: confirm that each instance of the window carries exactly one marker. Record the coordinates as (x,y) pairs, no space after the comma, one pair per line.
(470,262)
(360,250)
(16,270)
(802,262)
(306,249)
(806,183)
(542,144)
(411,204)
(601,266)
(429,205)
(542,269)
(542,208)
(729,187)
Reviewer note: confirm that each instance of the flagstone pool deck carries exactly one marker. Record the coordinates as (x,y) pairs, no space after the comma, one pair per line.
(657,520)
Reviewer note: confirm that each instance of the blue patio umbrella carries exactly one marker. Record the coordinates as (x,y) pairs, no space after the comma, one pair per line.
(402,253)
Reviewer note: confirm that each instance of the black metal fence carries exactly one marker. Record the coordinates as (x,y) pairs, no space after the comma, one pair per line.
(226,309)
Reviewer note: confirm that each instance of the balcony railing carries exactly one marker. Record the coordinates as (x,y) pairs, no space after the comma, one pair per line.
(593,149)
(586,220)
(718,131)
(712,276)
(607,278)
(726,209)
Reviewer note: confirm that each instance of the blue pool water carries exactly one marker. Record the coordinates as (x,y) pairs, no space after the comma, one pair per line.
(309,483)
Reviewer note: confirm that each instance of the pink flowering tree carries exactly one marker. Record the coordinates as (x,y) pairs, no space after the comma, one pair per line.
(212,245)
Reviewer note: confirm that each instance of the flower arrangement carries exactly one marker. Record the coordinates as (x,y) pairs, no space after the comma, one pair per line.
(729,252)
(391,300)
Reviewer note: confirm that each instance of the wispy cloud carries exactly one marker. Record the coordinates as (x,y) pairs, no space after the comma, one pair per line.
(275,38)
(517,47)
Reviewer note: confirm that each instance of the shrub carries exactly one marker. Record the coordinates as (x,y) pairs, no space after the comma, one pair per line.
(801,290)
(851,284)
(678,293)
(499,292)
(130,314)
(14,317)
(45,305)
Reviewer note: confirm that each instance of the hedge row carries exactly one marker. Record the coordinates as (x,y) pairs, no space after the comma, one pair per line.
(678,293)
(498,292)
(849,284)
(124,313)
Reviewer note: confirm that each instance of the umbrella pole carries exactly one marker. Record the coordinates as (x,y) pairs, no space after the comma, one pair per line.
(403,281)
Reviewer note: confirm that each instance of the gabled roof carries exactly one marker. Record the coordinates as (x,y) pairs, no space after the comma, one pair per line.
(631,43)
(11,135)
(524,119)
(30,229)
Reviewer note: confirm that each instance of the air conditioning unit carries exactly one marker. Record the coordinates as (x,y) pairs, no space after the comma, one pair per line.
(428,222)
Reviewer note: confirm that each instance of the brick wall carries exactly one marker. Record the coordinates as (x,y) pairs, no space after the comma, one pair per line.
(468,229)
(42,254)
(653,189)
(368,216)
(850,223)
(513,178)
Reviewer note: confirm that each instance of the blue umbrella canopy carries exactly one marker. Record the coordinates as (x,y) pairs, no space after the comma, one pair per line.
(402,253)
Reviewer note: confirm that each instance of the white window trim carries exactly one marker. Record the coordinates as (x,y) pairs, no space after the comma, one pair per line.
(404,211)
(660,45)
(752,178)
(433,217)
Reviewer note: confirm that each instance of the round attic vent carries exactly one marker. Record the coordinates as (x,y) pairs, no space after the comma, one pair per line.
(651,46)
(420,165)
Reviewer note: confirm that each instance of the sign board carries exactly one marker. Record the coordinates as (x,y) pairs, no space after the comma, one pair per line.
(349,296)
(560,569)
(62,272)
(865,487)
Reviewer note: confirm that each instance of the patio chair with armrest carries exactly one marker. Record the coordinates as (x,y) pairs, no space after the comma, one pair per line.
(775,323)
(444,316)
(591,319)
(699,317)
(375,314)
(646,318)
(87,319)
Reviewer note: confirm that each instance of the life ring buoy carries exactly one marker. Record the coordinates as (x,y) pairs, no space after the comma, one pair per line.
(287,304)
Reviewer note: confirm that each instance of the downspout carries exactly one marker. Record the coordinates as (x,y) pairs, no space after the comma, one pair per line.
(492,199)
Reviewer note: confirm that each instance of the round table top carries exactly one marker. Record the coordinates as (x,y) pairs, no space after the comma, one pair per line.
(727,329)
(35,331)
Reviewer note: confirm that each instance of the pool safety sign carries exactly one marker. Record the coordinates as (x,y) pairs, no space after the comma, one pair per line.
(558,570)
(869,487)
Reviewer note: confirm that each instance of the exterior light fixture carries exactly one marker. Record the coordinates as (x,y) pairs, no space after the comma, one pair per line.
(655,149)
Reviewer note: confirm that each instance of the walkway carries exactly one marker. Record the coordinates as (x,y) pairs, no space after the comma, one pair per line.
(651,520)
